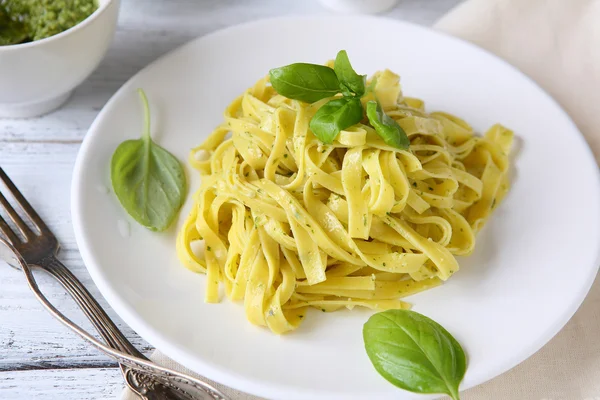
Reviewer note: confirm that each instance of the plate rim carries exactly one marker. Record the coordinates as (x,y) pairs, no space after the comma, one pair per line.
(236,381)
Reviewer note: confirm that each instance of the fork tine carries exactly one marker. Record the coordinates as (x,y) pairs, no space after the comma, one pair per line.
(16,218)
(33,216)
(10,235)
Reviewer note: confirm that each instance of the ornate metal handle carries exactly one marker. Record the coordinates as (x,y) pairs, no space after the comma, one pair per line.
(137,371)
(138,382)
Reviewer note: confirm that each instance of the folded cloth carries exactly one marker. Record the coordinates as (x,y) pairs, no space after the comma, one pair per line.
(557,43)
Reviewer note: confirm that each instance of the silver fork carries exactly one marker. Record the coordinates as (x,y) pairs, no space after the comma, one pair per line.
(39,249)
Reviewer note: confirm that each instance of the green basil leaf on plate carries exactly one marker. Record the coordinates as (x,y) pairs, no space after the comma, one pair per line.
(414,352)
(389,130)
(149,181)
(347,76)
(305,82)
(334,116)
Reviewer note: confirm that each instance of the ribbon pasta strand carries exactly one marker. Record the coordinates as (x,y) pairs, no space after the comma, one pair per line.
(288,223)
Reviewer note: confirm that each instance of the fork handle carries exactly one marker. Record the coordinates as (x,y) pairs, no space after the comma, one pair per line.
(90,307)
(136,368)
(137,380)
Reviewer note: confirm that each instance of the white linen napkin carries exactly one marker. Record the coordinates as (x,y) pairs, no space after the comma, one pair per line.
(557,43)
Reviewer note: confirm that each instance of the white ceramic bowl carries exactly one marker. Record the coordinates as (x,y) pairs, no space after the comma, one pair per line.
(38,77)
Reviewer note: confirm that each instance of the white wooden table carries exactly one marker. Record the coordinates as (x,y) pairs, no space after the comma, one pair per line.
(39,359)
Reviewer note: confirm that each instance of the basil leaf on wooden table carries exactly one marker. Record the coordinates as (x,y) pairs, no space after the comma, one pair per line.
(348,77)
(389,130)
(335,116)
(148,180)
(414,352)
(305,82)
(312,82)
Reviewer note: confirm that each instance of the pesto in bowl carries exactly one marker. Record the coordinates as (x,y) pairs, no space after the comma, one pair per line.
(29,20)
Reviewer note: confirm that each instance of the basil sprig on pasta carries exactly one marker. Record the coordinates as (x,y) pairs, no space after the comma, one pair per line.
(386,126)
(349,79)
(305,82)
(311,83)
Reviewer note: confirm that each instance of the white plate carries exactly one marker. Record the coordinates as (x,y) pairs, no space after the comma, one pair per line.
(533,265)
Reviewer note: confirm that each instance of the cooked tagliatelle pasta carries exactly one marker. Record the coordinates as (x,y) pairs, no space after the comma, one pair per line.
(290,223)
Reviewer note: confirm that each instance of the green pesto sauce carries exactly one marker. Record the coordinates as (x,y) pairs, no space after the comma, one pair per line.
(28,20)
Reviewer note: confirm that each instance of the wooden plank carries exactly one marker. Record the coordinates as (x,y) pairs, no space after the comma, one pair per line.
(80,384)
(29,337)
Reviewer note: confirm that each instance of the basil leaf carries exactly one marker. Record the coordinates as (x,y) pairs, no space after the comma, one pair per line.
(305,82)
(345,91)
(148,180)
(389,130)
(346,74)
(335,116)
(371,87)
(414,352)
